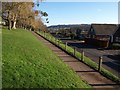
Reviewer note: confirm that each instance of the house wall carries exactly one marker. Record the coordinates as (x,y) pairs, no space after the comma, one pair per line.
(96,42)
(116,36)
(91,33)
(102,37)
(117,39)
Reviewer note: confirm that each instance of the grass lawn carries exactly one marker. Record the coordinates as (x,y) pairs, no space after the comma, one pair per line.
(115,46)
(28,63)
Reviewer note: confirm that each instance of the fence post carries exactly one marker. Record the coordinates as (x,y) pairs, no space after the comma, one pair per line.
(44,33)
(50,38)
(82,56)
(65,45)
(58,42)
(74,51)
(100,63)
(55,40)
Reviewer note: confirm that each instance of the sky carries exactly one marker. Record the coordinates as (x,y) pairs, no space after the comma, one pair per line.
(60,13)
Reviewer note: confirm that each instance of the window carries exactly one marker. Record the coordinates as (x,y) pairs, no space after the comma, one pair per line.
(117,39)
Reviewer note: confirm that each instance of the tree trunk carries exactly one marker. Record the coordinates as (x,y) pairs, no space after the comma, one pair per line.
(30,29)
(9,24)
(9,20)
(14,24)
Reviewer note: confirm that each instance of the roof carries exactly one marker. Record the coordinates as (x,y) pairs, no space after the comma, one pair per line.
(104,29)
(84,27)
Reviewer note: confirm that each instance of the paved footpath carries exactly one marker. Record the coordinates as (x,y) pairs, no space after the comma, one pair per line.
(85,72)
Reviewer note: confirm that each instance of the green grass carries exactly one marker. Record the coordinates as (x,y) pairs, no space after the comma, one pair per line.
(28,63)
(87,60)
(115,46)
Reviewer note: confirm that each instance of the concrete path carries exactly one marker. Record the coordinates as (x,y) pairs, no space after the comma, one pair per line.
(85,72)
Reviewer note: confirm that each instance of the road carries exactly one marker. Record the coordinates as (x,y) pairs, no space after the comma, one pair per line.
(111,59)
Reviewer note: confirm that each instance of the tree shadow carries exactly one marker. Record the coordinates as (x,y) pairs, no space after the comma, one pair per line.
(114,57)
(86,71)
(65,39)
(72,61)
(105,85)
(113,65)
(82,45)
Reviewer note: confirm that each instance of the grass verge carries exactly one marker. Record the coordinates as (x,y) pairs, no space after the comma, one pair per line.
(115,46)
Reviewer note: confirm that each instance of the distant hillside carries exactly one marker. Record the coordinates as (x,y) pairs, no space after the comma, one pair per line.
(68,26)
(57,27)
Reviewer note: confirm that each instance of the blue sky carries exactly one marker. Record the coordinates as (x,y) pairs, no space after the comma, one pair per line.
(80,12)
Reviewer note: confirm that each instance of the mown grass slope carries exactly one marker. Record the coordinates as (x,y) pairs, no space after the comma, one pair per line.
(28,63)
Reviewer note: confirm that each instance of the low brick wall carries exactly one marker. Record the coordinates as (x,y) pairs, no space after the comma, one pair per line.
(96,42)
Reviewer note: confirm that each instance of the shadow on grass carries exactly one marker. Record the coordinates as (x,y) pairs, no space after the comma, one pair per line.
(71,61)
(105,85)
(86,71)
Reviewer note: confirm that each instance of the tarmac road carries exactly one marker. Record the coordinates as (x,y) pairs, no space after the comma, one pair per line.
(111,61)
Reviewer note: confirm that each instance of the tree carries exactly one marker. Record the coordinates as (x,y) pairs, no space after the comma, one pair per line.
(21,14)
(17,11)
(44,14)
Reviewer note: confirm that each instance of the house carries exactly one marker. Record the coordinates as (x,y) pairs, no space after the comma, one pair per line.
(101,35)
(116,36)
(82,31)
(103,32)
